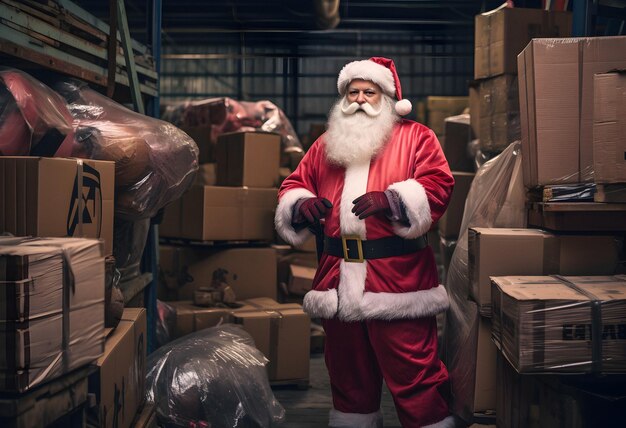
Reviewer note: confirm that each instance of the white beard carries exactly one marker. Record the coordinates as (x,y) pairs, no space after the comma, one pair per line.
(356,138)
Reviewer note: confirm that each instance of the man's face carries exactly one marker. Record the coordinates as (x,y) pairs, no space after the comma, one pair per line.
(363,91)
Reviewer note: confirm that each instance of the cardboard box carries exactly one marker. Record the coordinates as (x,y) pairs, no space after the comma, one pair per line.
(499,252)
(557,401)
(119,383)
(228,213)
(496,112)
(46,330)
(457,136)
(450,221)
(501,34)
(248,159)
(190,318)
(549,324)
(441,107)
(556,105)
(609,128)
(205,137)
(42,198)
(282,333)
(300,279)
(250,272)
(207,174)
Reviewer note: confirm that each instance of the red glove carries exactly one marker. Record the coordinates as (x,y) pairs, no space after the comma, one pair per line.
(313,209)
(371,203)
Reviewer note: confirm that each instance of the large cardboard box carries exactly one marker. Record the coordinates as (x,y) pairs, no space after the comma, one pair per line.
(58,197)
(282,333)
(495,112)
(457,136)
(119,383)
(190,318)
(228,213)
(250,272)
(498,252)
(49,325)
(556,105)
(501,34)
(609,128)
(566,324)
(441,107)
(248,159)
(450,221)
(553,401)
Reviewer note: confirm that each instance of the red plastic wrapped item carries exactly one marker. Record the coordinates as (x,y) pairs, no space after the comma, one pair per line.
(228,115)
(34,119)
(155,162)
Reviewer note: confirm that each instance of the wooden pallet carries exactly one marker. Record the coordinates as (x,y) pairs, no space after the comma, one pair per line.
(613,192)
(60,402)
(68,40)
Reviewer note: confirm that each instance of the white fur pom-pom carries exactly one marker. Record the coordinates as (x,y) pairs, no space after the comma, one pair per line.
(403,107)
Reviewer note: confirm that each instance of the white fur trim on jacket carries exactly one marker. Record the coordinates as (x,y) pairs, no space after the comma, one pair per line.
(415,304)
(447,422)
(284,214)
(367,70)
(382,306)
(417,208)
(321,304)
(339,419)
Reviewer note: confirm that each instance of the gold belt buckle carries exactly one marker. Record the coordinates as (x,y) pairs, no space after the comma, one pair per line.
(359,246)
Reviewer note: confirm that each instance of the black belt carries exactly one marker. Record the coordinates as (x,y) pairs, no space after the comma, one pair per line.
(353,249)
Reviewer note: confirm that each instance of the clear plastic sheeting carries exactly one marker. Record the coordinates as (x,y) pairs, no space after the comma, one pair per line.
(165,323)
(129,241)
(214,378)
(224,115)
(495,199)
(34,119)
(155,162)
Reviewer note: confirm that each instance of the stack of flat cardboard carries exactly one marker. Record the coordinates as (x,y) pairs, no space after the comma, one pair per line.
(51,309)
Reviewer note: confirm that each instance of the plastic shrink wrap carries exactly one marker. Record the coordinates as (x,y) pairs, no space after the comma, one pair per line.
(34,119)
(496,199)
(224,115)
(155,162)
(214,378)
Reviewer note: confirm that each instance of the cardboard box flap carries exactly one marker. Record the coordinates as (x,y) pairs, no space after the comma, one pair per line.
(537,288)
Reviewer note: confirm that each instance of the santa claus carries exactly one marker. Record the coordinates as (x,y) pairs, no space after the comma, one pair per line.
(374,184)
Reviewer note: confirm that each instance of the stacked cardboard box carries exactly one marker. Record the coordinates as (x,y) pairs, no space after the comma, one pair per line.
(438,108)
(57,197)
(609,144)
(500,35)
(119,382)
(50,322)
(556,80)
(570,324)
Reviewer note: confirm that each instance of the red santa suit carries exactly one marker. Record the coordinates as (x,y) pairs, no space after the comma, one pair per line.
(379,314)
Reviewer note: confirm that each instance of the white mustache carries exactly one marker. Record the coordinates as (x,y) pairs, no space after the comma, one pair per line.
(352,108)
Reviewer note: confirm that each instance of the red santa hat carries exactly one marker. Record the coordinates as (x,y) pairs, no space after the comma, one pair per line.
(379,70)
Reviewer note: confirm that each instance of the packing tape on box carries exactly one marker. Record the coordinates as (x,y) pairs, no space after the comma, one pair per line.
(596,323)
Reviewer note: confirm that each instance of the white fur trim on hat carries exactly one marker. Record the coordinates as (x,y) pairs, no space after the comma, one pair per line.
(339,419)
(415,304)
(403,107)
(447,422)
(284,214)
(415,201)
(366,70)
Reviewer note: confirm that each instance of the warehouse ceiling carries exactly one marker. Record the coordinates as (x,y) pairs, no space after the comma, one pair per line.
(186,21)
